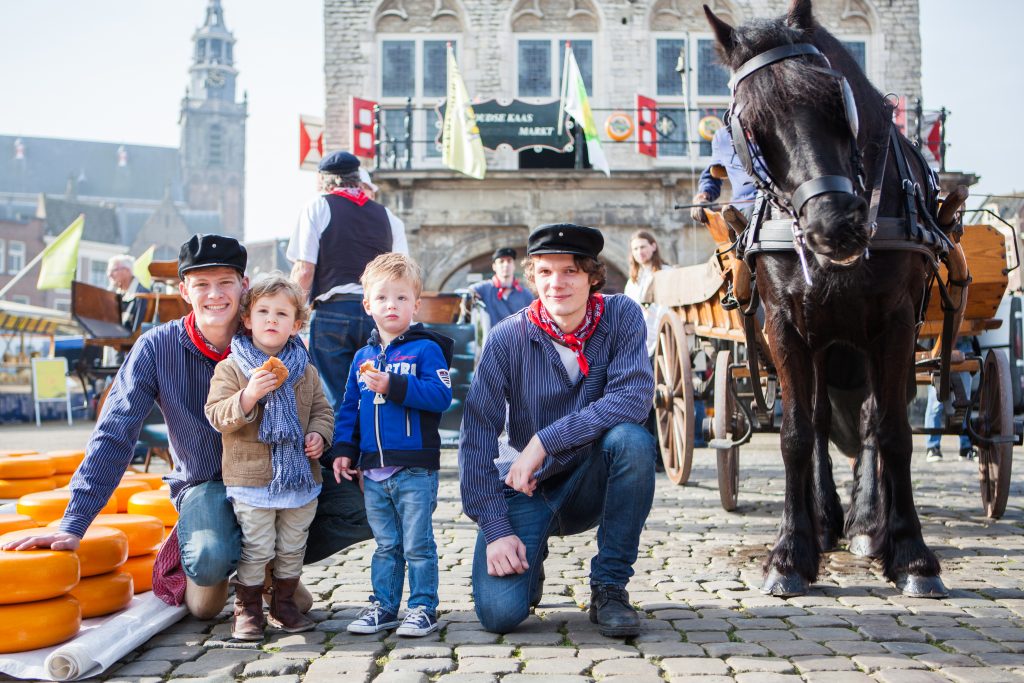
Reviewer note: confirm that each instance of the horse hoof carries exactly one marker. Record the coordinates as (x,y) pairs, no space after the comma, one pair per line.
(782,585)
(917,586)
(861,546)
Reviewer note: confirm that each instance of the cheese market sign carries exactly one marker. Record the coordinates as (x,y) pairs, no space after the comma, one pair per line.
(518,125)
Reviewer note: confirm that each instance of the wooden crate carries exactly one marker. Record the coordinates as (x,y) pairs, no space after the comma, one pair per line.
(985,250)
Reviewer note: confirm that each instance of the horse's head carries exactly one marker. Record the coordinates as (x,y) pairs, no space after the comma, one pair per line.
(796,108)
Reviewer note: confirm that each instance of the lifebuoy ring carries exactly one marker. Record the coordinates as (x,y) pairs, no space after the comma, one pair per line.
(618,126)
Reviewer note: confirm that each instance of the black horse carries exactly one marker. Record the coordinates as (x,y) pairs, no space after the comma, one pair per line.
(841,311)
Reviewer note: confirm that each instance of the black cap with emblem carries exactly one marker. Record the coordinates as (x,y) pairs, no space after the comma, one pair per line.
(565,238)
(208,251)
(503,252)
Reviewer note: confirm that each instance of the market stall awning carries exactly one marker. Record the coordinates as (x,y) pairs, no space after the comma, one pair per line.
(35,320)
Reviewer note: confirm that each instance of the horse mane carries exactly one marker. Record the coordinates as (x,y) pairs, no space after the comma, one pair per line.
(796,82)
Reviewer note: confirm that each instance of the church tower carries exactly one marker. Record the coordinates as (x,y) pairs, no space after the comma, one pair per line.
(213,126)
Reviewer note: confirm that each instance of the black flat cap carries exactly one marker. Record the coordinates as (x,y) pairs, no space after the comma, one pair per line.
(208,251)
(340,163)
(565,238)
(503,252)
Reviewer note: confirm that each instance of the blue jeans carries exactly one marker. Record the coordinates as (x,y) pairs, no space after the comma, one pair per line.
(612,489)
(400,511)
(934,417)
(208,534)
(336,331)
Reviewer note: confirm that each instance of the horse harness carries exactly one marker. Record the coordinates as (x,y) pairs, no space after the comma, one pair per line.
(916,231)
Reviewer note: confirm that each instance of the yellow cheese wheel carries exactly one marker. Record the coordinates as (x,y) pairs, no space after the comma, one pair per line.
(16,452)
(16,488)
(33,625)
(155,503)
(141,570)
(28,575)
(62,480)
(27,467)
(145,533)
(66,462)
(100,551)
(152,479)
(46,506)
(104,593)
(125,490)
(10,521)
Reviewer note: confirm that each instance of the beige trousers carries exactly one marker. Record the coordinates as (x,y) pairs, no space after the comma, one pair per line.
(272,534)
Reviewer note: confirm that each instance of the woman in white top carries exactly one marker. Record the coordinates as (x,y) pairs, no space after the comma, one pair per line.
(644,261)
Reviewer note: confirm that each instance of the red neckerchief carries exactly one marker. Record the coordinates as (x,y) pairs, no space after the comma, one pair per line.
(538,315)
(353,194)
(205,347)
(503,291)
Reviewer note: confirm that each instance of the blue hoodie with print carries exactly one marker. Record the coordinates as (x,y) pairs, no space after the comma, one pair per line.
(403,430)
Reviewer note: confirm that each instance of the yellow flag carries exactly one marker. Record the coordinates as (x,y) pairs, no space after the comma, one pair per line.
(60,258)
(141,269)
(462,149)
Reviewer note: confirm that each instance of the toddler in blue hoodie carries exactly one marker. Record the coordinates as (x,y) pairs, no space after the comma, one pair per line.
(386,431)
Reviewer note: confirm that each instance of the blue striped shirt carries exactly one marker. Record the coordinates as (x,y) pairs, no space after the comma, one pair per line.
(166,368)
(521,388)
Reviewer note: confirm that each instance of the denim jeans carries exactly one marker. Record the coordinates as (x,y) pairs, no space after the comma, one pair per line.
(208,534)
(400,511)
(336,331)
(934,416)
(612,490)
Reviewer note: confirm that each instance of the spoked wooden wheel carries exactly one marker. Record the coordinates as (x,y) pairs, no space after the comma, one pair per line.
(725,428)
(673,398)
(995,418)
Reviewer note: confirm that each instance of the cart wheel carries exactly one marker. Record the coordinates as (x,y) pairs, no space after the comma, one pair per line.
(728,458)
(673,398)
(995,418)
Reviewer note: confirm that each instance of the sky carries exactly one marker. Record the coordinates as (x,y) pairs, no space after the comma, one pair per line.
(116,70)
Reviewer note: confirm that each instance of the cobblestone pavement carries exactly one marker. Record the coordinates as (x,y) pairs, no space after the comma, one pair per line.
(696,582)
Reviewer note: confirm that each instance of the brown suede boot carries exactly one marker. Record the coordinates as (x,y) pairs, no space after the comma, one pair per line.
(284,613)
(249,622)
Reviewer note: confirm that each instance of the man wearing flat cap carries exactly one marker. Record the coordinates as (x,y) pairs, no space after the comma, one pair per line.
(552,441)
(337,234)
(503,294)
(171,366)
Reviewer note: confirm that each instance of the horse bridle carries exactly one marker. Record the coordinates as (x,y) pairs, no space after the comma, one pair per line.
(742,140)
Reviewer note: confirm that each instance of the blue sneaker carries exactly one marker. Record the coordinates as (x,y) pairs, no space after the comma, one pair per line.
(373,619)
(418,622)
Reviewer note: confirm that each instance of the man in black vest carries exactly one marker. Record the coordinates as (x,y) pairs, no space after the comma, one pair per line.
(337,234)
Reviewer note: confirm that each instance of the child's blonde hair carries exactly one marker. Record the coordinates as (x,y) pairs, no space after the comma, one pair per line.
(276,282)
(392,266)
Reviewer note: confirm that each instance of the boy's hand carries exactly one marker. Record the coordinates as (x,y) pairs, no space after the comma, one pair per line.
(343,469)
(260,384)
(314,446)
(378,382)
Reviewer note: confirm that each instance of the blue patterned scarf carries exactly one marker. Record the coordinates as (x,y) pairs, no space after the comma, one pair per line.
(280,427)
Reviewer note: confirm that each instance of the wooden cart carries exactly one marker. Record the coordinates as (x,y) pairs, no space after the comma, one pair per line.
(702,353)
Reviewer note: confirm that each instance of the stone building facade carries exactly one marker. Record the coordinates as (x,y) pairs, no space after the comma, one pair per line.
(392,52)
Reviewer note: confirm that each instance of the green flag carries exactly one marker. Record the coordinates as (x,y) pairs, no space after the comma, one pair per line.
(141,269)
(60,258)
(574,102)
(462,150)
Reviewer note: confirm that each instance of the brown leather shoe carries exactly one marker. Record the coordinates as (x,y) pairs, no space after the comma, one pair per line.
(284,613)
(248,623)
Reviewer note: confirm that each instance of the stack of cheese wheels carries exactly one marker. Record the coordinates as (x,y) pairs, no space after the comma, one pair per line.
(144,534)
(35,607)
(66,463)
(46,506)
(10,521)
(102,588)
(155,503)
(127,488)
(25,474)
(152,479)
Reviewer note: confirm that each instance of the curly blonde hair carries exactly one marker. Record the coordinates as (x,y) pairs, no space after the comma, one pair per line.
(276,282)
